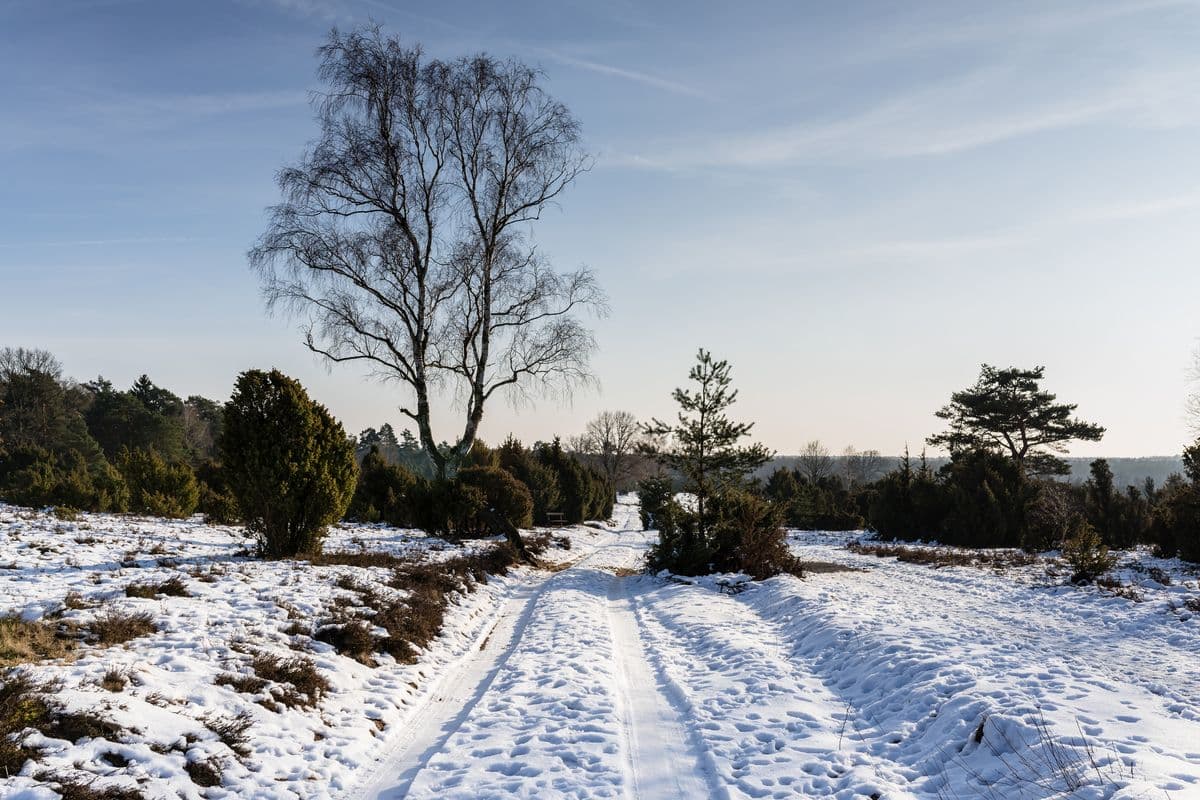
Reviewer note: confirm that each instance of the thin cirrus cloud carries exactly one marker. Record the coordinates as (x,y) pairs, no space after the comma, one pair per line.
(97,119)
(131,240)
(977,27)
(635,76)
(966,114)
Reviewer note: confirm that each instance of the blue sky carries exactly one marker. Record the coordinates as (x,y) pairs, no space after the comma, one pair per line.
(855,203)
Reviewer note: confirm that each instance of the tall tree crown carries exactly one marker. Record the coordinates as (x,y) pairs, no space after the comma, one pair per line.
(1007,411)
(403,240)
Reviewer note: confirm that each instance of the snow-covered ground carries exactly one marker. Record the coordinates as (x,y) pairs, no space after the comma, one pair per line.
(238,608)
(891,681)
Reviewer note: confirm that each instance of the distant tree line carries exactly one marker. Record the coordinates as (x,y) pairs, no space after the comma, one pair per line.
(270,458)
(92,446)
(1003,484)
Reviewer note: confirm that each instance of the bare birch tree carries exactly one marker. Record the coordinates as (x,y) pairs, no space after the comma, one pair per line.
(860,467)
(815,462)
(612,438)
(403,239)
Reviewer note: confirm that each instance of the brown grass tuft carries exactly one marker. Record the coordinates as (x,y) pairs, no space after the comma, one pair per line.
(116,627)
(232,731)
(115,680)
(938,557)
(246,684)
(204,772)
(22,643)
(76,789)
(171,587)
(301,685)
(353,638)
(29,642)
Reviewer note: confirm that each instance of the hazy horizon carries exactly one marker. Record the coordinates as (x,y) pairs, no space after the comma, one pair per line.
(855,205)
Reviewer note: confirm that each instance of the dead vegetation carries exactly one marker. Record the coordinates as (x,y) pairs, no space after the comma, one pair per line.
(24,642)
(26,703)
(114,680)
(1044,763)
(245,684)
(938,557)
(1117,588)
(204,772)
(71,788)
(117,627)
(298,683)
(171,587)
(824,568)
(412,615)
(233,731)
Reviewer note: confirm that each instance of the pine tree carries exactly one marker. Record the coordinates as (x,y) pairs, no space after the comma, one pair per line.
(387,435)
(703,444)
(1007,412)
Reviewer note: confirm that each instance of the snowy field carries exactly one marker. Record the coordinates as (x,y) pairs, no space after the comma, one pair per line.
(588,680)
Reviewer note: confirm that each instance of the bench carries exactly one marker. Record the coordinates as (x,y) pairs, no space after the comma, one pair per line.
(555,519)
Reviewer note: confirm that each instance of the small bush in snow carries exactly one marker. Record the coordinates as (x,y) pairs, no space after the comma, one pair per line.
(383,493)
(748,537)
(204,772)
(66,513)
(1087,554)
(504,496)
(654,494)
(23,705)
(745,534)
(232,731)
(114,680)
(117,627)
(171,587)
(246,684)
(156,487)
(288,462)
(352,638)
(70,788)
(300,684)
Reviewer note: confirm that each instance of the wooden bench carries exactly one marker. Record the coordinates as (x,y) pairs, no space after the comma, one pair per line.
(555,519)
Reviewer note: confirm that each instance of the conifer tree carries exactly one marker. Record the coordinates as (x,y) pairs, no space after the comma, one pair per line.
(1007,412)
(288,462)
(703,443)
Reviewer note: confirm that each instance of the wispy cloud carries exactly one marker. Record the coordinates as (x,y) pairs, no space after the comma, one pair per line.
(329,10)
(101,119)
(643,78)
(1139,209)
(975,26)
(208,104)
(931,249)
(132,240)
(980,109)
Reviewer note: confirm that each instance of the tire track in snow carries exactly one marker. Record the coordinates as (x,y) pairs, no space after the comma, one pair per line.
(453,696)
(431,724)
(666,758)
(772,726)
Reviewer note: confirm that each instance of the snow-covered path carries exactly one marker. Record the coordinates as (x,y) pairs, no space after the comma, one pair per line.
(901,682)
(558,701)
